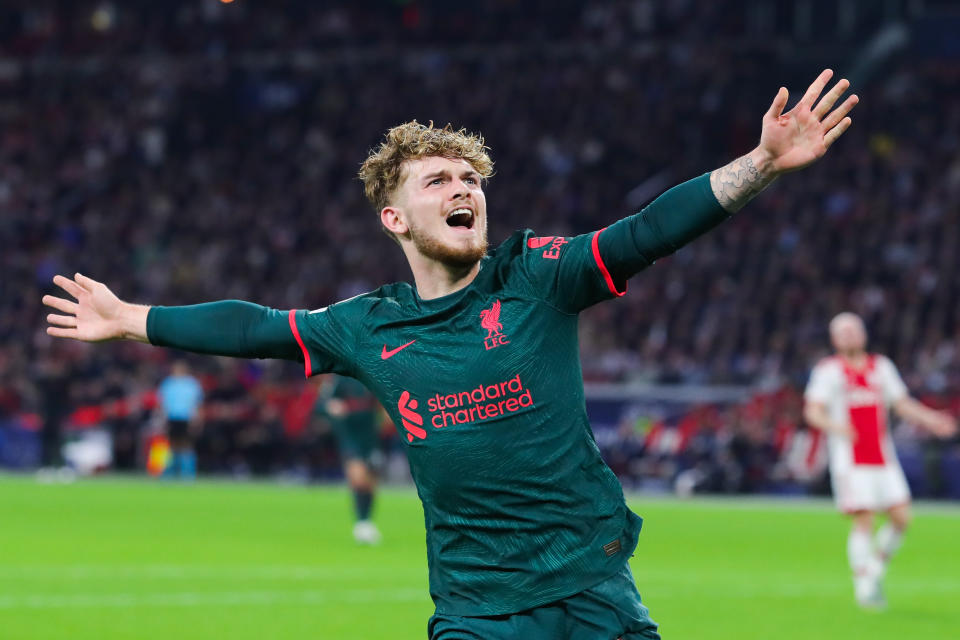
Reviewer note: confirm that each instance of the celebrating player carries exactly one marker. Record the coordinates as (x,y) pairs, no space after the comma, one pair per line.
(848,397)
(528,533)
(354,417)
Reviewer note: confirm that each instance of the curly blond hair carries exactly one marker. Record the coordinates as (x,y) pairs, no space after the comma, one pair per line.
(382,171)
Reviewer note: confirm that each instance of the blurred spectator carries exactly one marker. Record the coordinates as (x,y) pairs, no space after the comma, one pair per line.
(52,379)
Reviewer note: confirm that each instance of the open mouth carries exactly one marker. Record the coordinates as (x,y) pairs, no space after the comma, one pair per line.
(462,217)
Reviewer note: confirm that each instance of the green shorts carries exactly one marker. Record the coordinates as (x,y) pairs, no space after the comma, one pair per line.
(357,439)
(607,611)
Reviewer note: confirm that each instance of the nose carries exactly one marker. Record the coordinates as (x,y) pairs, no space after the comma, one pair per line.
(460,190)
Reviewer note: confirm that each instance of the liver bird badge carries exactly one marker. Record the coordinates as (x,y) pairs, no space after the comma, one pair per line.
(490,320)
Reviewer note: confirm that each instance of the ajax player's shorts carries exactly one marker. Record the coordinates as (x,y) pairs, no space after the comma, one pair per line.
(610,610)
(870,487)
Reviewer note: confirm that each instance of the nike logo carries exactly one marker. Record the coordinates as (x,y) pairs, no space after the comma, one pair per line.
(389,354)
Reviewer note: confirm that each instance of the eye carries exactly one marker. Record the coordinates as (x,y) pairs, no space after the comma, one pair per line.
(470,180)
(437,181)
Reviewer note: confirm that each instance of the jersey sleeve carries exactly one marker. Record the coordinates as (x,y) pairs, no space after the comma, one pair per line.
(326,338)
(893,386)
(821,385)
(569,273)
(574,273)
(226,328)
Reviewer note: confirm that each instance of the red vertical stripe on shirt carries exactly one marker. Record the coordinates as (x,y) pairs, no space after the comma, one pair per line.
(595,246)
(868,424)
(868,419)
(308,370)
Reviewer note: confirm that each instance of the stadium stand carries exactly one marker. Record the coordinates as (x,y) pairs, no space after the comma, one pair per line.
(189,151)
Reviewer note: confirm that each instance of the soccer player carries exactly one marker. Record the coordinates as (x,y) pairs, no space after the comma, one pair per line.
(352,412)
(848,397)
(528,532)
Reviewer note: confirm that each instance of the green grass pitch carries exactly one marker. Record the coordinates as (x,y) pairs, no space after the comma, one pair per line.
(124,558)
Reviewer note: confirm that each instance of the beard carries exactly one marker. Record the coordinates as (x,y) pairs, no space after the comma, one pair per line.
(452,256)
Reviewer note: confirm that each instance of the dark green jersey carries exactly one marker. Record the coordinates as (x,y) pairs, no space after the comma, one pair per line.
(485,388)
(354,423)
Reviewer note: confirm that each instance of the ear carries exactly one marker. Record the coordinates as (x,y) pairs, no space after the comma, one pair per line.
(392,219)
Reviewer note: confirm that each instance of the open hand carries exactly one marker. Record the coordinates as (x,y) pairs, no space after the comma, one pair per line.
(942,424)
(97,314)
(794,139)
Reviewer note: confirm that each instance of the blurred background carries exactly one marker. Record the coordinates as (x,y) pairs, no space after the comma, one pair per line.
(195,150)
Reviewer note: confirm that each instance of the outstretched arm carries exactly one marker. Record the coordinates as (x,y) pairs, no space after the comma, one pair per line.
(939,423)
(228,328)
(788,141)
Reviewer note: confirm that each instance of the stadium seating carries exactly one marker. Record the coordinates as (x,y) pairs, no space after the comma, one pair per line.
(223,164)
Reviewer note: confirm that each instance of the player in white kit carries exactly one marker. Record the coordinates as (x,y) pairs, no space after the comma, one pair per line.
(849,396)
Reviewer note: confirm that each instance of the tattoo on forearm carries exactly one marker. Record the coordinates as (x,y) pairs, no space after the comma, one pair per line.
(737,183)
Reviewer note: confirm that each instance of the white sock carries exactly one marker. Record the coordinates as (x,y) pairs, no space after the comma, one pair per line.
(864,563)
(887,540)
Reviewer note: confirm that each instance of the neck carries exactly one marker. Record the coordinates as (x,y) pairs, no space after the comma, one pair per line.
(435,279)
(857,358)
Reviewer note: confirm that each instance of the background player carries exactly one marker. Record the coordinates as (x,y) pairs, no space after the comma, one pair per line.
(849,396)
(528,532)
(180,396)
(354,417)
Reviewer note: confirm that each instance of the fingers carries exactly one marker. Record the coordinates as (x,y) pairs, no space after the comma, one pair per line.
(85,282)
(67,306)
(63,321)
(814,90)
(778,104)
(836,132)
(57,332)
(68,285)
(827,102)
(838,114)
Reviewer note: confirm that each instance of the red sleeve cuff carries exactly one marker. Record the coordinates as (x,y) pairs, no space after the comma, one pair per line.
(307,368)
(611,285)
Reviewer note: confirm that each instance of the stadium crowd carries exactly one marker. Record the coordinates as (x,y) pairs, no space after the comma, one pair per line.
(222,165)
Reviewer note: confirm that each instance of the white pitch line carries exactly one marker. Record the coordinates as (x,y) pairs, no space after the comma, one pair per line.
(230,598)
(362,596)
(791,590)
(766,502)
(83,572)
